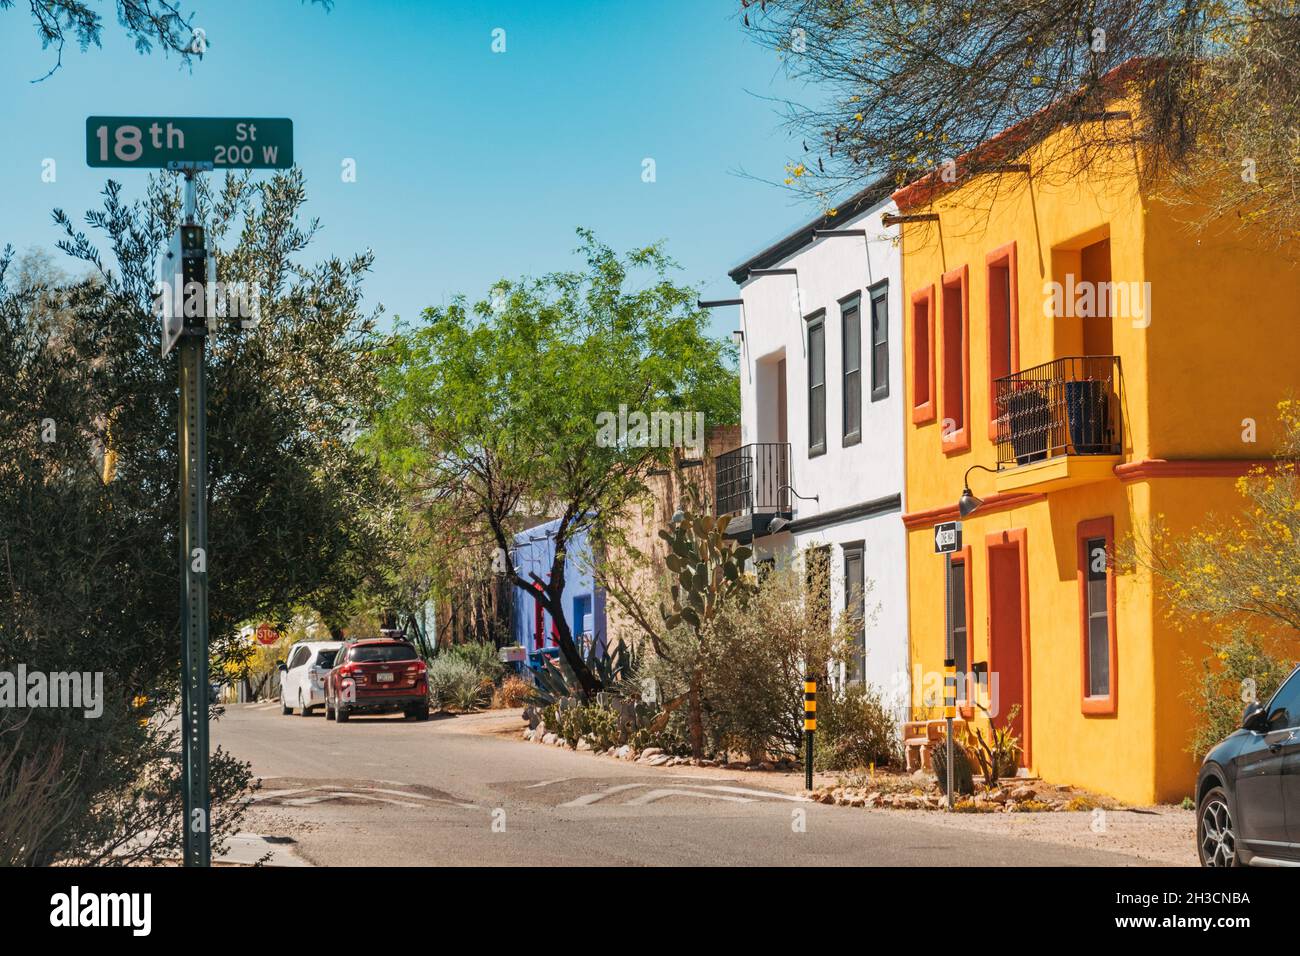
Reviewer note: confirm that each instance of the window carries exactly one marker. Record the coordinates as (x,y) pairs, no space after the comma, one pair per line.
(851,323)
(1284,708)
(923,356)
(855,608)
(325,659)
(1097,616)
(382,653)
(956,362)
(1004,324)
(299,657)
(817,384)
(879,340)
(958,623)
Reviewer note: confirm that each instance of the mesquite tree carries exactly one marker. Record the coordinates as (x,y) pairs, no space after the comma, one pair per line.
(496,415)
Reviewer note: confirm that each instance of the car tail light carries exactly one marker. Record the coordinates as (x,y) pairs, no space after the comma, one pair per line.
(418,668)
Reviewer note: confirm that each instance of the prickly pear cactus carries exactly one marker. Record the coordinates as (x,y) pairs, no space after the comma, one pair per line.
(709,569)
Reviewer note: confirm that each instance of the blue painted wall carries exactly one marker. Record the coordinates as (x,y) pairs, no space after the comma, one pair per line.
(534,550)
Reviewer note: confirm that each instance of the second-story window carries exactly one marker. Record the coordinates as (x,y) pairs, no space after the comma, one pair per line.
(955,395)
(879,340)
(851,320)
(817,384)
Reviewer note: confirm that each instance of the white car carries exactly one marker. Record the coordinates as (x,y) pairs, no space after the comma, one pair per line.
(302,677)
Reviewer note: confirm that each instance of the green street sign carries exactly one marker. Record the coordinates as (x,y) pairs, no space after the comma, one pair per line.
(188,142)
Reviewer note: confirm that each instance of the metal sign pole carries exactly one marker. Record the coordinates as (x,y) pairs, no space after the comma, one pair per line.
(192,436)
(949,674)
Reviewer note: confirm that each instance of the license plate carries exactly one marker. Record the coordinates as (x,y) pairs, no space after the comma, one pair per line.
(384,677)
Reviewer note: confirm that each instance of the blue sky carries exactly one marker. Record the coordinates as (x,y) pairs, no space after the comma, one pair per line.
(471,165)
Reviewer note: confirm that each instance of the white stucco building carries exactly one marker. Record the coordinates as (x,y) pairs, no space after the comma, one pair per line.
(821,383)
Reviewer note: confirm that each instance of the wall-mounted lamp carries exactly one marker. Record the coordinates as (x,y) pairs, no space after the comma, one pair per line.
(738,337)
(967,504)
(790,488)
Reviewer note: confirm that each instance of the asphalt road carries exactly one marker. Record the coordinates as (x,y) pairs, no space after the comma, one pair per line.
(382,791)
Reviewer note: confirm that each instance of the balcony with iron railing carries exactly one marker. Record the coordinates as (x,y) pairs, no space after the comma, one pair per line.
(753,486)
(1059,424)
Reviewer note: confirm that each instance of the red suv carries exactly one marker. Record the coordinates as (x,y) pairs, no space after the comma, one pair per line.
(380,676)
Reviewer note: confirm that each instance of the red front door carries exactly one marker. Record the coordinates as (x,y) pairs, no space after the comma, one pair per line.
(1008,633)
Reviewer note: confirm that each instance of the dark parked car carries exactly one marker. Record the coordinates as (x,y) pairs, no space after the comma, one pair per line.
(380,676)
(1248,790)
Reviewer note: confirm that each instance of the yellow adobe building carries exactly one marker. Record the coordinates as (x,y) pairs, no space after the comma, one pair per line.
(1069,333)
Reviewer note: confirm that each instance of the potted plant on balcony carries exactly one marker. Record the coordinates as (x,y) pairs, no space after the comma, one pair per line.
(1087,412)
(1029,419)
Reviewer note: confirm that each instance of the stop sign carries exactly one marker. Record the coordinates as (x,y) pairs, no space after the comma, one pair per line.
(266,634)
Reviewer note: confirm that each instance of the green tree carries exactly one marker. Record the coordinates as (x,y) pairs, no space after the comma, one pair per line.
(88,555)
(493,412)
(1236,578)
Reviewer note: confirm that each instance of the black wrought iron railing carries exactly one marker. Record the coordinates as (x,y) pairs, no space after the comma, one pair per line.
(1069,406)
(754,478)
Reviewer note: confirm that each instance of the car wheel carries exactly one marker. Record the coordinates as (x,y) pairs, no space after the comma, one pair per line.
(422,712)
(285,709)
(1216,835)
(303,709)
(341,714)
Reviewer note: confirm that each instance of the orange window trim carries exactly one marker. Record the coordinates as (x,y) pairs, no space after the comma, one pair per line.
(1108,705)
(967,709)
(923,403)
(1017,538)
(959,440)
(1003,256)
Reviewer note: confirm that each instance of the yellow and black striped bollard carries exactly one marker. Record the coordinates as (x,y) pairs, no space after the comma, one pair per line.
(809,728)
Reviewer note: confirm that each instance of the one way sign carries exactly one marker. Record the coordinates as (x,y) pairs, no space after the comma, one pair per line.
(947,537)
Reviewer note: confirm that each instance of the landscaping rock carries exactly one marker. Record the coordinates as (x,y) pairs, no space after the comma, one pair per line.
(584,744)
(1021,794)
(658,760)
(650,752)
(623,753)
(737,765)
(551,739)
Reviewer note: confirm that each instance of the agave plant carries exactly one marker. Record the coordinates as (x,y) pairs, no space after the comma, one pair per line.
(616,670)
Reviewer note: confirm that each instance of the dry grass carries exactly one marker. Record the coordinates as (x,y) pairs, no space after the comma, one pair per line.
(513,692)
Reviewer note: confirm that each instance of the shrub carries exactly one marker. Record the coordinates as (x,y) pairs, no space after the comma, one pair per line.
(963,778)
(513,692)
(752,660)
(479,655)
(855,729)
(1223,679)
(453,681)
